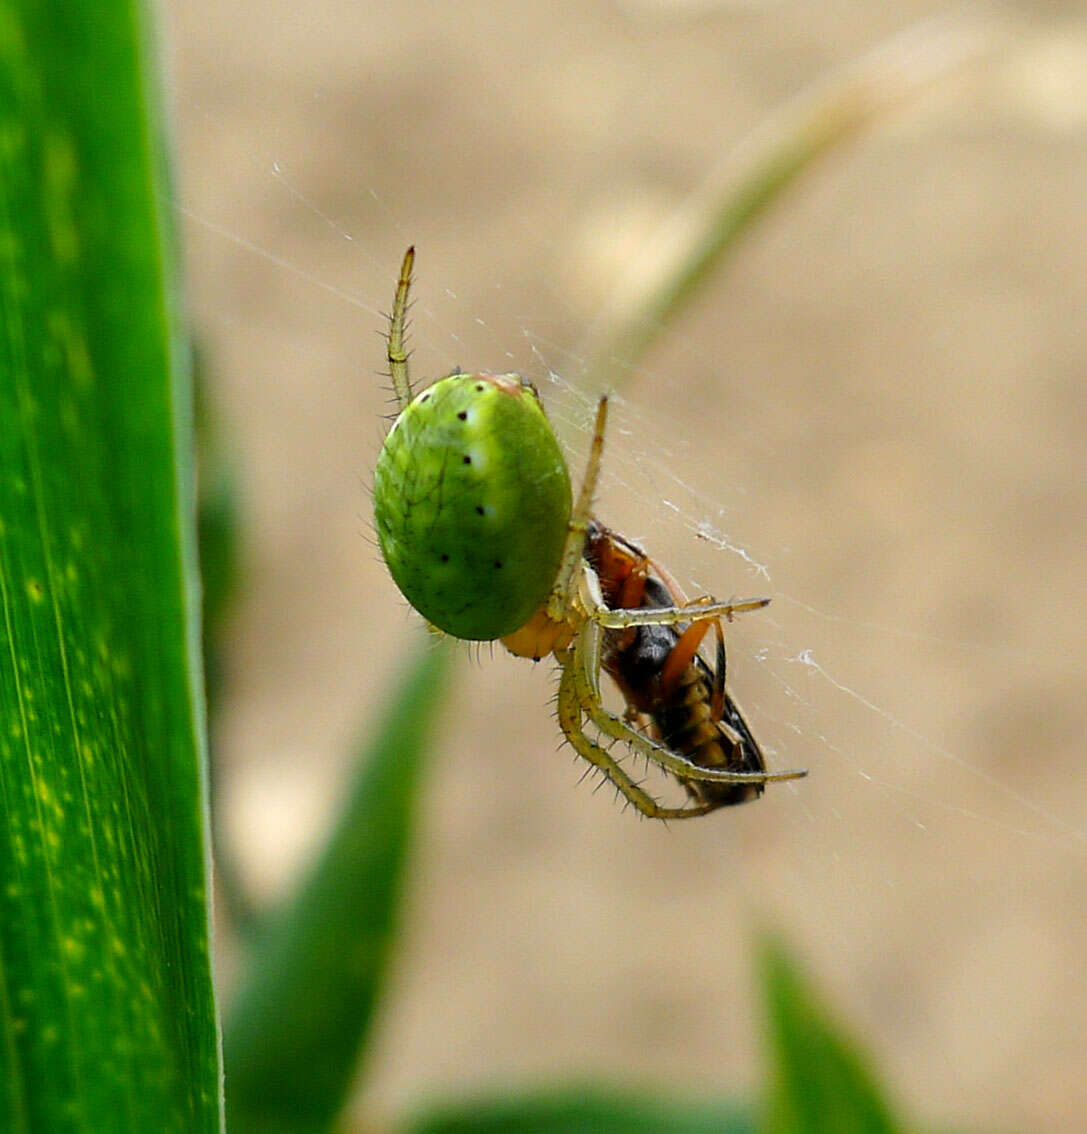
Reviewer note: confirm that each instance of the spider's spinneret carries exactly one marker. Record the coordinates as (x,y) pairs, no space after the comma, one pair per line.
(472,503)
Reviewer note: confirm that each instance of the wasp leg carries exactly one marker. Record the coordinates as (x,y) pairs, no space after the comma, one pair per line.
(682,654)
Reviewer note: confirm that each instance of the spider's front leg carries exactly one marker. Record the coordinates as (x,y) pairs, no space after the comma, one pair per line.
(571,710)
(586,665)
(563,597)
(701,610)
(396,348)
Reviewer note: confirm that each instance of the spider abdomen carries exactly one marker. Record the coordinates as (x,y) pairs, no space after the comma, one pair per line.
(472,503)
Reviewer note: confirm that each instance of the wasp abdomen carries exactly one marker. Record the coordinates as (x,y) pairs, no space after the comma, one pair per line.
(686,724)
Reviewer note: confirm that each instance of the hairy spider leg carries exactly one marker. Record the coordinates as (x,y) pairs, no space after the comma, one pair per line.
(396,352)
(670,615)
(570,713)
(632,593)
(586,665)
(562,601)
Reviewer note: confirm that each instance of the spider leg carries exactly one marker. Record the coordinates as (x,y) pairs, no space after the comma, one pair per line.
(669,615)
(687,646)
(571,709)
(397,352)
(585,666)
(701,610)
(563,592)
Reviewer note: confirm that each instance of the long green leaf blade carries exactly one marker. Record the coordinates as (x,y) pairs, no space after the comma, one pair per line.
(107,1019)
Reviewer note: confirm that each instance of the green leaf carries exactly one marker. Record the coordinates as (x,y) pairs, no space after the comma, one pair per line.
(736,196)
(599,1110)
(819,1080)
(317,965)
(218,525)
(107,1020)
(218,521)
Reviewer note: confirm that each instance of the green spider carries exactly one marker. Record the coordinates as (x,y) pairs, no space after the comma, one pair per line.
(472,504)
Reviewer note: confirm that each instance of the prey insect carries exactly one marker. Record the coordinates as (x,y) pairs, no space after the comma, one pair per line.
(474,515)
(670,690)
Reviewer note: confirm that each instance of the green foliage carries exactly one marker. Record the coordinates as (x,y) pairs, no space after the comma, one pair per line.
(106,1011)
(218,523)
(818,1083)
(818,1079)
(596,1109)
(317,965)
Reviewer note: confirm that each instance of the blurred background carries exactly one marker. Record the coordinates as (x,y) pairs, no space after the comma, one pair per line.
(875,413)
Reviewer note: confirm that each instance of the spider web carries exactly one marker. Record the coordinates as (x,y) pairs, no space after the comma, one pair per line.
(946,790)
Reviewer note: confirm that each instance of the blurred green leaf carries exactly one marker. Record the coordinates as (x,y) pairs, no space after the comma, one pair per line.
(710,225)
(819,1080)
(317,965)
(106,1007)
(218,526)
(599,1110)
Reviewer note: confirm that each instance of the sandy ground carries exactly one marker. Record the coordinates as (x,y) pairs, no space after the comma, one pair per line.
(881,399)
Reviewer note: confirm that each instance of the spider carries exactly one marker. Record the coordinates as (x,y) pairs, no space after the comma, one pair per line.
(472,505)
